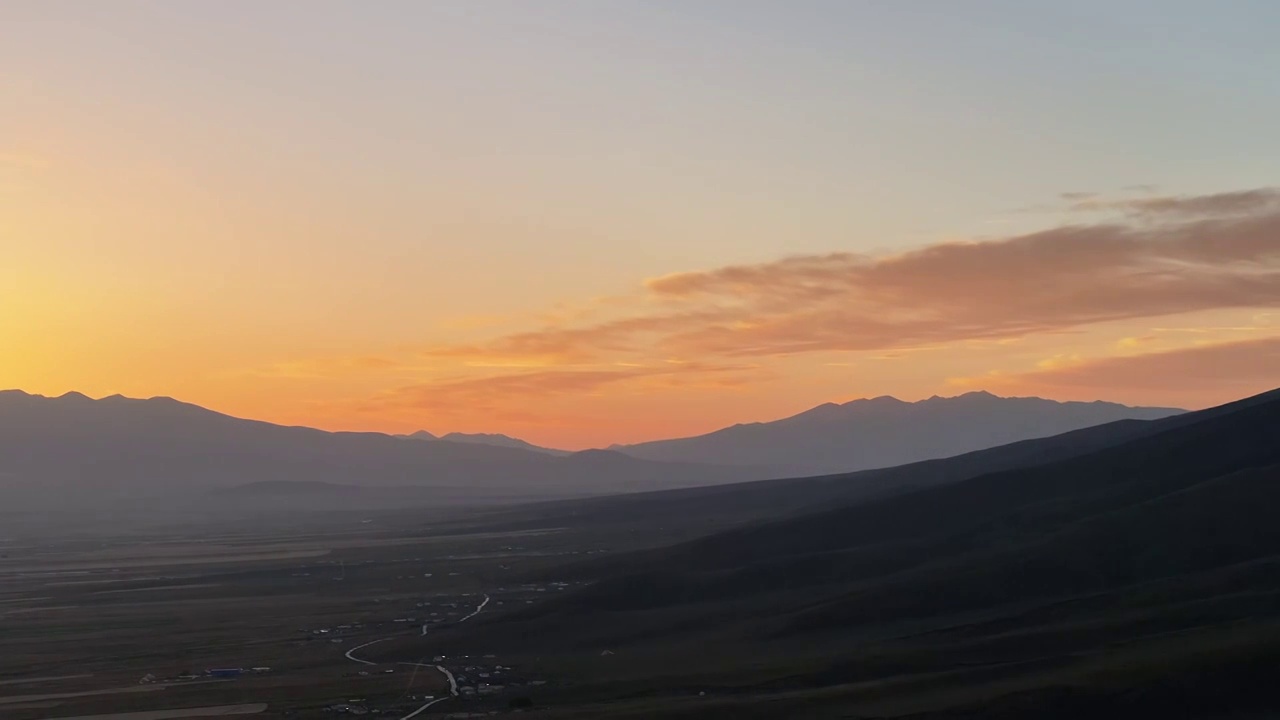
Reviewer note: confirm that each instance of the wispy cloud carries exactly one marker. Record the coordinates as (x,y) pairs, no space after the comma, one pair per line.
(528,394)
(1135,342)
(1219,370)
(728,329)
(1228,203)
(330,367)
(1053,281)
(1147,188)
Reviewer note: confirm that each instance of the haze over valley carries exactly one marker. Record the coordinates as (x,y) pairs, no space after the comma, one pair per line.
(678,360)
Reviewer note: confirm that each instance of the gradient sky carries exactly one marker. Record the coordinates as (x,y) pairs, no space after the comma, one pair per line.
(596,221)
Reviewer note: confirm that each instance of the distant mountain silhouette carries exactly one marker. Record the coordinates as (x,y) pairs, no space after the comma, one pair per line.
(1196,494)
(493,439)
(753,501)
(498,440)
(72,450)
(884,432)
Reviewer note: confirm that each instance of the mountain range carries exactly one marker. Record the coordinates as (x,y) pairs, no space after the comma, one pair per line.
(75,451)
(865,433)
(885,431)
(68,450)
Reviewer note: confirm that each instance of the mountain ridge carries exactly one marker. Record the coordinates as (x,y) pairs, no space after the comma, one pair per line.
(72,450)
(884,431)
(490,439)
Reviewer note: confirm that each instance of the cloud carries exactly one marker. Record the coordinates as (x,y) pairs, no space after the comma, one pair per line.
(525,394)
(1054,281)
(1220,371)
(329,367)
(1228,203)
(1201,330)
(556,345)
(1132,343)
(473,322)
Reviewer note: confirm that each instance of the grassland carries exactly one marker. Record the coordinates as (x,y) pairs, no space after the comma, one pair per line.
(94,625)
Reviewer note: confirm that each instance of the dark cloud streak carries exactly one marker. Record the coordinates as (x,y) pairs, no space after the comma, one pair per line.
(1228,203)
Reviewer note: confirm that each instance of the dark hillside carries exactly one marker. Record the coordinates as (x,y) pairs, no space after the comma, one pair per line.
(1100,577)
(999,526)
(773,499)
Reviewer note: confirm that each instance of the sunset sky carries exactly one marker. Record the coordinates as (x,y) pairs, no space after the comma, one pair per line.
(597,221)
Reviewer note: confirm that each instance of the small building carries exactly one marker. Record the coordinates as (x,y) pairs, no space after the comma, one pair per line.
(226,672)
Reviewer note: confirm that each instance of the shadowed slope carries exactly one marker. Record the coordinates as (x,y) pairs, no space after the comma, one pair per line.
(1191,498)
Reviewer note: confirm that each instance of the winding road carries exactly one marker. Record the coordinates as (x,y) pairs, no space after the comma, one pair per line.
(353,658)
(478,609)
(453,682)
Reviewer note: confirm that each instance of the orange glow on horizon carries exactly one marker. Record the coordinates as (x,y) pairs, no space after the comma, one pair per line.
(476,226)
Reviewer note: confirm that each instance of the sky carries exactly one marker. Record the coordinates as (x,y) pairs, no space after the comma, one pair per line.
(599,221)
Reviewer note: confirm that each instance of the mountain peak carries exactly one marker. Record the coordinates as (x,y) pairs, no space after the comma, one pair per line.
(879,400)
(497,440)
(165,399)
(475,436)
